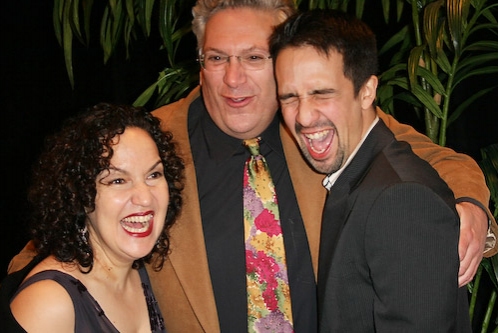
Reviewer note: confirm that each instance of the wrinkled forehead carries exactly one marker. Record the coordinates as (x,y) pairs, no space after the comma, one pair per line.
(239,29)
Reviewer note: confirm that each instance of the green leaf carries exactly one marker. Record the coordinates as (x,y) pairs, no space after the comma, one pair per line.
(443,62)
(112,4)
(146,95)
(482,45)
(395,40)
(401,82)
(457,14)
(130,11)
(463,106)
(105,34)
(75,21)
(485,26)
(476,60)
(432,80)
(427,100)
(385,98)
(432,26)
(359,8)
(68,42)
(385,4)
(489,168)
(400,9)
(413,63)
(57,14)
(149,5)
(166,22)
(394,71)
(476,72)
(87,10)
(487,265)
(489,11)
(175,83)
(127,34)
(117,20)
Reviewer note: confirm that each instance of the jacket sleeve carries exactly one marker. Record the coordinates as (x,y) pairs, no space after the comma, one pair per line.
(411,242)
(20,260)
(461,173)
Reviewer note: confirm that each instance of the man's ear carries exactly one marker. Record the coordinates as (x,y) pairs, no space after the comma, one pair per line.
(368,92)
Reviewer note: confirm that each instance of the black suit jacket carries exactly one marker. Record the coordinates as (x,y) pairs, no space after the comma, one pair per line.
(389,246)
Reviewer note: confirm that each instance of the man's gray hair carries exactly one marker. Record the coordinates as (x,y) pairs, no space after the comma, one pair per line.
(204,9)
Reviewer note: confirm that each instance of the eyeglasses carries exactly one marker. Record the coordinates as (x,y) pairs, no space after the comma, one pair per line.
(214,62)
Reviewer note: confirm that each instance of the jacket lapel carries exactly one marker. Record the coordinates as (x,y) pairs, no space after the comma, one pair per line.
(309,191)
(341,199)
(188,255)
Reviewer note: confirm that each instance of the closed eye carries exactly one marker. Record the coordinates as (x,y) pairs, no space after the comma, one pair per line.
(324,93)
(286,99)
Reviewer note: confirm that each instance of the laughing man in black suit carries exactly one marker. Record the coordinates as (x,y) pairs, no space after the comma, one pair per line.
(389,242)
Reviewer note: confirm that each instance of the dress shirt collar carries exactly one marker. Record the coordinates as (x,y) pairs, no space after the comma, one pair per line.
(222,146)
(330,179)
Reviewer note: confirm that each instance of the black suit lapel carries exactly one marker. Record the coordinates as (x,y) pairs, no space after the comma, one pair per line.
(333,219)
(339,201)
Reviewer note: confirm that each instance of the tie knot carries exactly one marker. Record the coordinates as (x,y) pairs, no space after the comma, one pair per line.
(253,146)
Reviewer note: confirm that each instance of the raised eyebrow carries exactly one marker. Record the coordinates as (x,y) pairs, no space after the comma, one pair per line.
(155,165)
(113,168)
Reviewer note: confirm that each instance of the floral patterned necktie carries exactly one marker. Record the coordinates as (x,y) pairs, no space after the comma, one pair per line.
(269,301)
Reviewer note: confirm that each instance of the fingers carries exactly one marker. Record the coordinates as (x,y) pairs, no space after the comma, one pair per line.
(473,231)
(468,265)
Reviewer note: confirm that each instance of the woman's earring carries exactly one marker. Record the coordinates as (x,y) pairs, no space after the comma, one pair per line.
(83,235)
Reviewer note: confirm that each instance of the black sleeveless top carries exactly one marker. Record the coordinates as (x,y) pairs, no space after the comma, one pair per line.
(89,316)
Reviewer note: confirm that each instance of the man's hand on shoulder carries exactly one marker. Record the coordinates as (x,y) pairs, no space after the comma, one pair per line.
(473,232)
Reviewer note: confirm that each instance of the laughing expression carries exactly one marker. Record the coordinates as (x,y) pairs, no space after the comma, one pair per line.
(132,199)
(319,106)
(242,103)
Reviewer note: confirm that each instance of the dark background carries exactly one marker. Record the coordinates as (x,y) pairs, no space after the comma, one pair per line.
(36,97)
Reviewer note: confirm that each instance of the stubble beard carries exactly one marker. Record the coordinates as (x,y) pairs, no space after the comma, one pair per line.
(325,166)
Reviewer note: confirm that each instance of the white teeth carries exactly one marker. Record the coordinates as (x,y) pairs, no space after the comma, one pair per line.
(317,136)
(238,99)
(136,224)
(138,219)
(135,230)
(317,151)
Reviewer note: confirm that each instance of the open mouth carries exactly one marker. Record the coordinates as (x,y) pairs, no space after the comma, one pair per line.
(238,102)
(318,143)
(140,226)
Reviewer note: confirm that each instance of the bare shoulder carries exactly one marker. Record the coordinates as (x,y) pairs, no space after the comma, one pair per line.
(44,306)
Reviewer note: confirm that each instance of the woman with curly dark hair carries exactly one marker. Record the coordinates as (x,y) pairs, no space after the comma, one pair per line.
(105,193)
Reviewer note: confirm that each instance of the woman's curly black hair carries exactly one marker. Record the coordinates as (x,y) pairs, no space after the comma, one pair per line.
(63,188)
